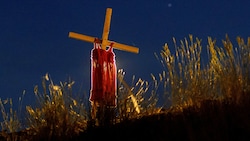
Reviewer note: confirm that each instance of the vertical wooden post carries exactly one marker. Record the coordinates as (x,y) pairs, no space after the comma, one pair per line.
(106,28)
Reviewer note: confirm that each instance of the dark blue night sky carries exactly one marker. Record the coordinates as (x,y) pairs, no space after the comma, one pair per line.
(34,36)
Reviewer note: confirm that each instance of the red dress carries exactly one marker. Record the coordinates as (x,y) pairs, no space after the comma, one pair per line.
(103,76)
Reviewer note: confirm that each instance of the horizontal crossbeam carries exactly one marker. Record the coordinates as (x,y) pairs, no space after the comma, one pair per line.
(115,45)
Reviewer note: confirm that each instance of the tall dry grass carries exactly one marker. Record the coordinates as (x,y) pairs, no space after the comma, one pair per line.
(57,115)
(226,75)
(11,118)
(137,99)
(185,81)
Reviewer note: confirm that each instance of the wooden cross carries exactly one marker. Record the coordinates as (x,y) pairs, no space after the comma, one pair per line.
(104,41)
(99,71)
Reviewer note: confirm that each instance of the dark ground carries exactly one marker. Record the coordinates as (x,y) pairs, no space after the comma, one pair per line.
(211,121)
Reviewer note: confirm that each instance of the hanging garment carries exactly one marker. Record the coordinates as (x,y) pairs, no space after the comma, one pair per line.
(103,76)
(111,81)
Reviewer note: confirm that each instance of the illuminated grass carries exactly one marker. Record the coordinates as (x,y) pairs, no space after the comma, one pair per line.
(58,115)
(11,119)
(189,81)
(186,83)
(139,100)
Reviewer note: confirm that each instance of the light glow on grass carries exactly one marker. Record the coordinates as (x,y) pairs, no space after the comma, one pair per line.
(185,81)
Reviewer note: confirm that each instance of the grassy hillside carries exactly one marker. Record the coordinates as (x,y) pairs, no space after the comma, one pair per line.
(212,120)
(208,101)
